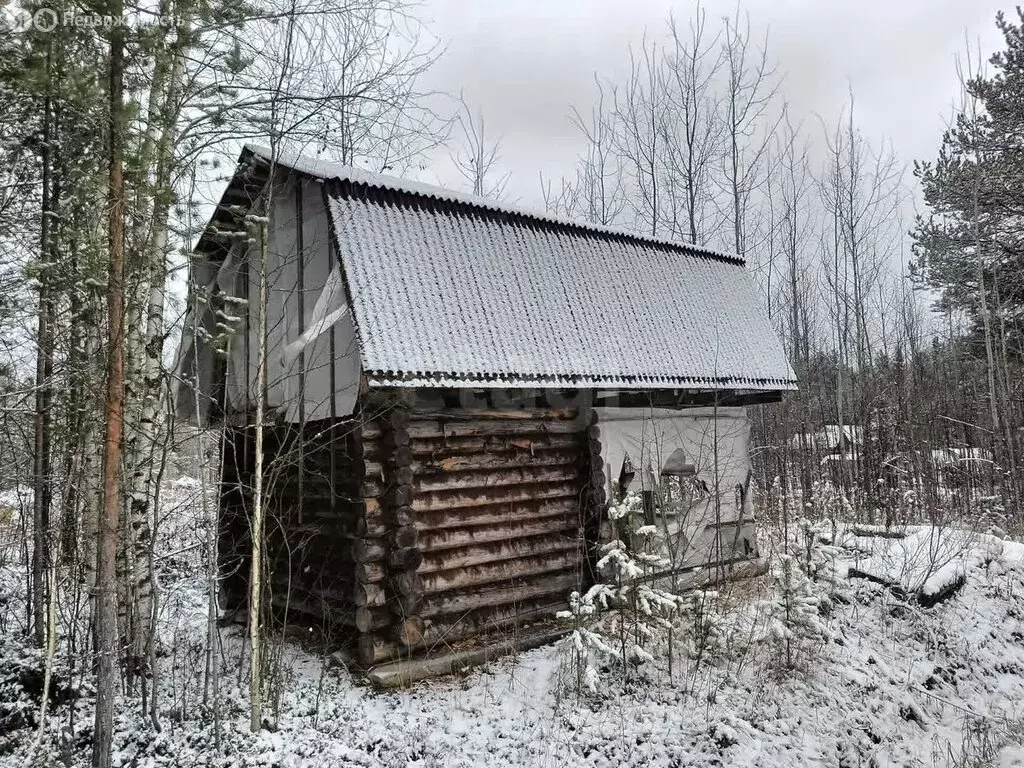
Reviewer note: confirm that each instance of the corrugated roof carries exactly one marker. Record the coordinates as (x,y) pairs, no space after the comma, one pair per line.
(324,169)
(450,289)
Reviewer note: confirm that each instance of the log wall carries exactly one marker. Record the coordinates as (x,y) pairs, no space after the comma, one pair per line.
(490,509)
(411,529)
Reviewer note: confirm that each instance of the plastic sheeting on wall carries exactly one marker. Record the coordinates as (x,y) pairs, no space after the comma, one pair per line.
(707,518)
(312,354)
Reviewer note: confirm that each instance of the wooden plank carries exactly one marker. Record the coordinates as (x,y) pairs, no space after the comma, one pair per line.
(497,514)
(450,446)
(424,412)
(441,632)
(495,478)
(490,572)
(480,427)
(509,459)
(405,672)
(503,593)
(458,538)
(426,502)
(509,549)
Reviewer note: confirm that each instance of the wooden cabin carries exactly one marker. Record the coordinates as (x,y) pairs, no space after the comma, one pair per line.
(452,385)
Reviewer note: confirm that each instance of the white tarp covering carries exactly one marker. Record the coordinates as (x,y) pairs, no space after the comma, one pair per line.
(708,515)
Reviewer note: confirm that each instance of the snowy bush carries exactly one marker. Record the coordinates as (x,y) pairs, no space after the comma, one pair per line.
(621,618)
(583,648)
(820,562)
(795,627)
(22,674)
(705,621)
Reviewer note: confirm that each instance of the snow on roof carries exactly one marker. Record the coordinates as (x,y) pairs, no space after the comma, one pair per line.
(449,289)
(326,169)
(850,431)
(827,438)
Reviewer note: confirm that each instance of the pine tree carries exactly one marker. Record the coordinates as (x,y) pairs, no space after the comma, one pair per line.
(821,562)
(970,246)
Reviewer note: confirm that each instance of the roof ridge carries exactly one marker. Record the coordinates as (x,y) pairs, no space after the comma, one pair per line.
(331,171)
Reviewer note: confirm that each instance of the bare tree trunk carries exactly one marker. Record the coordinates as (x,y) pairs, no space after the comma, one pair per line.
(640,115)
(106,565)
(256,524)
(44,373)
(479,158)
(750,91)
(694,67)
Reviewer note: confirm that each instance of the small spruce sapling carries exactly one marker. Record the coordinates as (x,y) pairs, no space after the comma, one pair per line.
(621,617)
(583,647)
(820,562)
(707,636)
(794,622)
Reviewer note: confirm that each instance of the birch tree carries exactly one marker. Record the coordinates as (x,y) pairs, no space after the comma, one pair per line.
(597,193)
(750,90)
(967,246)
(640,119)
(861,192)
(694,134)
(477,157)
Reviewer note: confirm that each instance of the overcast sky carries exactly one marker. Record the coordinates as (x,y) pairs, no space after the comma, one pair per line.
(524,62)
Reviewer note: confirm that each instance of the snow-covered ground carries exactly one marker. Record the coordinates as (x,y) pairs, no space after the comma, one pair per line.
(898,684)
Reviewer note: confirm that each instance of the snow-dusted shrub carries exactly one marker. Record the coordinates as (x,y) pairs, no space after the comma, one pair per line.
(706,625)
(795,626)
(186,524)
(581,651)
(830,502)
(777,501)
(991,513)
(910,506)
(621,618)
(820,562)
(22,674)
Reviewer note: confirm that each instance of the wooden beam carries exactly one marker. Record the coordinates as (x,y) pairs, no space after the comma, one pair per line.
(405,672)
